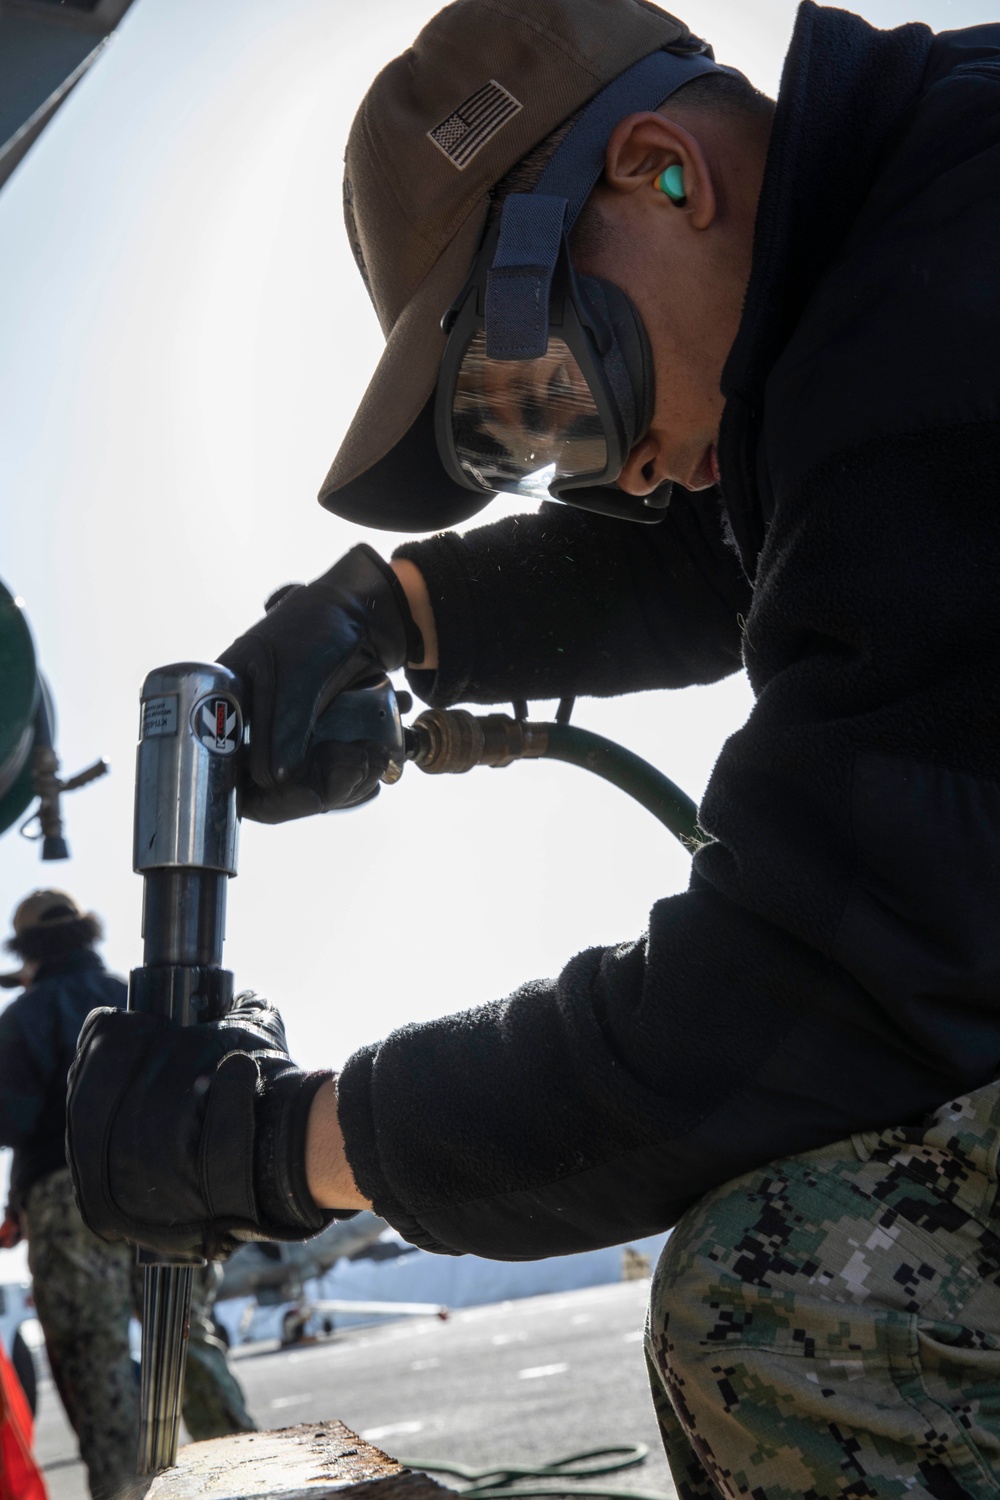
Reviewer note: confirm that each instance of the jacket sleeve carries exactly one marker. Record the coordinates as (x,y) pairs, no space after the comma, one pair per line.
(835,964)
(564,603)
(22,1086)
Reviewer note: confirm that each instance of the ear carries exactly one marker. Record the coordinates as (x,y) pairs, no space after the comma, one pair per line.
(644,145)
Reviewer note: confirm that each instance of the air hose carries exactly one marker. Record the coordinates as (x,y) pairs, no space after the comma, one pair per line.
(507,1481)
(452,740)
(630,773)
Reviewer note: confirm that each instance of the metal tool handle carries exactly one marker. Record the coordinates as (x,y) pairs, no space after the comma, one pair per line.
(186,826)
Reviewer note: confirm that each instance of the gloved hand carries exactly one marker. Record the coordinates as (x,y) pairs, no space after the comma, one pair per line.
(351,624)
(191,1139)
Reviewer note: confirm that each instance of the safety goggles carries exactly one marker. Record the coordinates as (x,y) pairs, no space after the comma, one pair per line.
(563,416)
(546,383)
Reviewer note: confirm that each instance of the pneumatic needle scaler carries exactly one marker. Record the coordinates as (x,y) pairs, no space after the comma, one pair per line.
(191,730)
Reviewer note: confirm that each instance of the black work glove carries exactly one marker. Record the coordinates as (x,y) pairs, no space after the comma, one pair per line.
(342,629)
(191,1139)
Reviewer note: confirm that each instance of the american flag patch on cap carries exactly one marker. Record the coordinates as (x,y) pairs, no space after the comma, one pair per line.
(473,123)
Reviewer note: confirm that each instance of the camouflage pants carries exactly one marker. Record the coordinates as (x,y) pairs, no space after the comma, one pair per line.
(829,1327)
(85,1291)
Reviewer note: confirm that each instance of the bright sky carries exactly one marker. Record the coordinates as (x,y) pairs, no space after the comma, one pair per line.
(184,339)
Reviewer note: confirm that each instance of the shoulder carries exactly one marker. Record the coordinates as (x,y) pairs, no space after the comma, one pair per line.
(114,990)
(76,987)
(900,336)
(92,984)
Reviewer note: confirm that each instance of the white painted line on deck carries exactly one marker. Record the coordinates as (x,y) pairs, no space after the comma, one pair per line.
(391,1429)
(536,1372)
(634,1338)
(509,1338)
(425,1364)
(281,1401)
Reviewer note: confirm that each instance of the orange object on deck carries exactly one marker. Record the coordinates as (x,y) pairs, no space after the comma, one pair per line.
(20,1477)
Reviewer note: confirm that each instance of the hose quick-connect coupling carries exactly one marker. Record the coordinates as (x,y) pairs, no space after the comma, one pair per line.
(453,740)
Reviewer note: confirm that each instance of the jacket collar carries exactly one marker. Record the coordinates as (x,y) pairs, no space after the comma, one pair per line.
(846,90)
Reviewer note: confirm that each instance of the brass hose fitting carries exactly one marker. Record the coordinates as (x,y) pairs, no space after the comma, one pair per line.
(452,740)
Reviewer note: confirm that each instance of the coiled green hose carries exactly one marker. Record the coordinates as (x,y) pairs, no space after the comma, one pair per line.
(506,1482)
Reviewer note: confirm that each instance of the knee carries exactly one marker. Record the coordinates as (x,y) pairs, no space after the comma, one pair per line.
(683,1307)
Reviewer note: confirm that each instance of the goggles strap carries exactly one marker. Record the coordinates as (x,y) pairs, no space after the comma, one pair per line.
(519,280)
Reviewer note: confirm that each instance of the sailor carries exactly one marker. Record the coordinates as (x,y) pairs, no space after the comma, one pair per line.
(744,354)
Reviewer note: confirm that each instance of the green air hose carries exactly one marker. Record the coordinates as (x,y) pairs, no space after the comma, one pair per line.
(453,741)
(630,773)
(507,1481)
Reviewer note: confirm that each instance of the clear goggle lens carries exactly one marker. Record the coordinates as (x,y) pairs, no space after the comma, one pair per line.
(520,424)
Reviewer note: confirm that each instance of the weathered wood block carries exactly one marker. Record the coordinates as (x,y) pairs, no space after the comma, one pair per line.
(309,1462)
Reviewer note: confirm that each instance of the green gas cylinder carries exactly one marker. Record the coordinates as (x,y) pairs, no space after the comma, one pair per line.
(19,694)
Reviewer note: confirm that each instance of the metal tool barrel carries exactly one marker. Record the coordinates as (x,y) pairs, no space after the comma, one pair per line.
(185,849)
(166,1311)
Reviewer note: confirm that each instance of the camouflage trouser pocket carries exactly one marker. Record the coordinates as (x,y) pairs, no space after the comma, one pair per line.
(829,1326)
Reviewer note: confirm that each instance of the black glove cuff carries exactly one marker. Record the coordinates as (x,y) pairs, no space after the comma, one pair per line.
(414,651)
(284,1201)
(414,638)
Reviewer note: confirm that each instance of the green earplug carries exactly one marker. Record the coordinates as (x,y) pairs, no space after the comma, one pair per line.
(671,182)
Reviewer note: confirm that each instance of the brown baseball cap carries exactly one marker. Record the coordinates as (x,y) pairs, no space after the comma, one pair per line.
(48,908)
(40,909)
(483,84)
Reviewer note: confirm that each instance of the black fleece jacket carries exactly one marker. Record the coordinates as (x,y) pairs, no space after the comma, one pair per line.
(38,1035)
(835,964)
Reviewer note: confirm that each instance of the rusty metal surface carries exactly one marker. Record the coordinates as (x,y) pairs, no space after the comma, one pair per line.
(309,1462)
